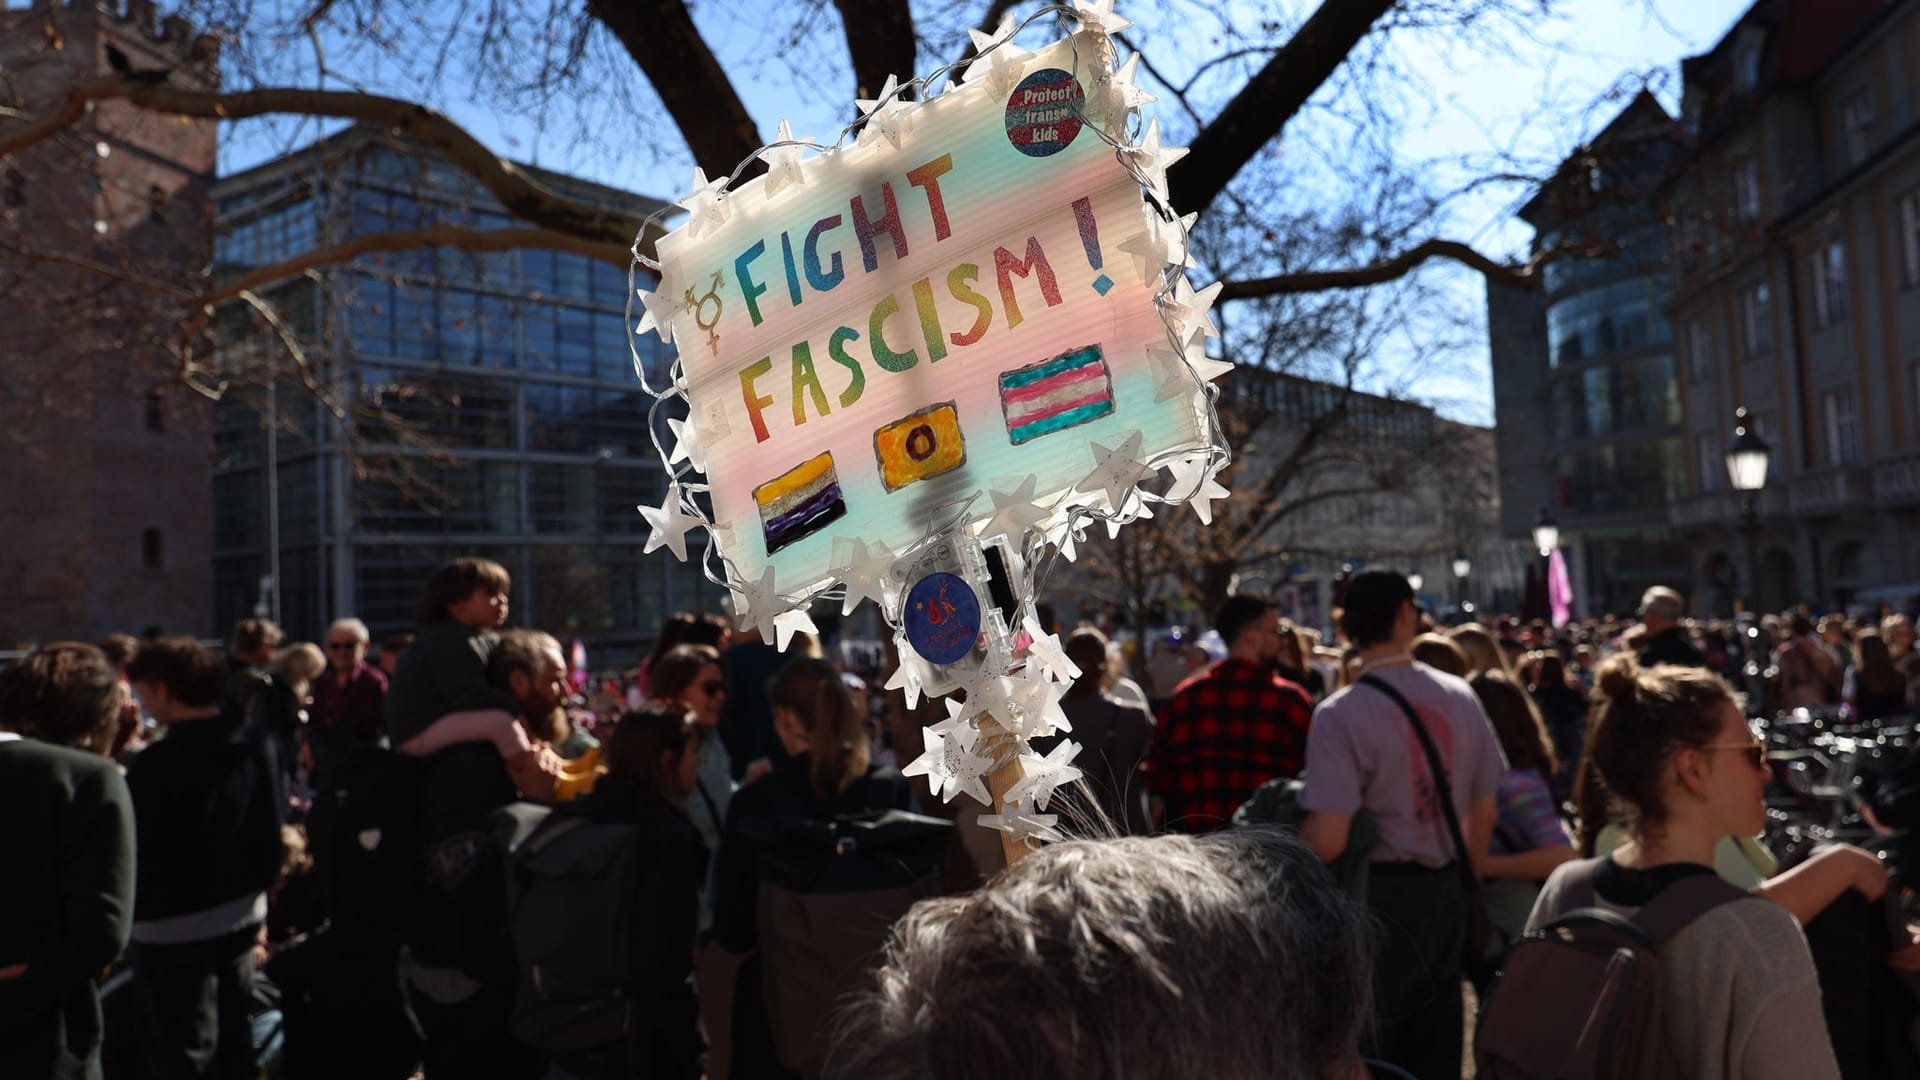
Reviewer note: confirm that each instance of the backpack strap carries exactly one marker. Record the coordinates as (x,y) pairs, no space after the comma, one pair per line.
(1438,770)
(1680,903)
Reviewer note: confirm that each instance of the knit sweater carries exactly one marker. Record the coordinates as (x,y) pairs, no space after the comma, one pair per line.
(1744,999)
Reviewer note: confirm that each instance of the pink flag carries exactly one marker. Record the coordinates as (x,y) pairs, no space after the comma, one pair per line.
(1559,589)
(578,661)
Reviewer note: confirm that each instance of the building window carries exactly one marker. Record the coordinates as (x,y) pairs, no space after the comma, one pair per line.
(1749,73)
(1829,284)
(156,410)
(1710,461)
(1746,189)
(1757,316)
(153,549)
(1843,428)
(1910,236)
(1856,125)
(1700,350)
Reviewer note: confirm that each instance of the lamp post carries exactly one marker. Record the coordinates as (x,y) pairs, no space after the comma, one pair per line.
(1747,456)
(1546,537)
(1462,566)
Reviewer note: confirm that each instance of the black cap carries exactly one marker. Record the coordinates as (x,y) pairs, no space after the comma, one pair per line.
(1376,592)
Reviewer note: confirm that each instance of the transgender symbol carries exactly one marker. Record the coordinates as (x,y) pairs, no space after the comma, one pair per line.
(698,305)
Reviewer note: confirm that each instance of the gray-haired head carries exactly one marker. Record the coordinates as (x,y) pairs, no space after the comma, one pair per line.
(1230,956)
(351,626)
(1663,604)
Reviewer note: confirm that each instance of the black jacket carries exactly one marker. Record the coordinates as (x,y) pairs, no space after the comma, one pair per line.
(673,864)
(1670,646)
(443,671)
(209,799)
(67,848)
(785,793)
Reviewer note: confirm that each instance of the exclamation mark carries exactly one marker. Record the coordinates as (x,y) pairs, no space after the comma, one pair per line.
(1090,239)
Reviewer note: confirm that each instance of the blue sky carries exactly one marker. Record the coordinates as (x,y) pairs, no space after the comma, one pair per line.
(1466,111)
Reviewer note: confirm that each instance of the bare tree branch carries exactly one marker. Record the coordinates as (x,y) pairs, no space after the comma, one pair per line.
(661,38)
(1271,98)
(1524,276)
(517,190)
(988,24)
(880,41)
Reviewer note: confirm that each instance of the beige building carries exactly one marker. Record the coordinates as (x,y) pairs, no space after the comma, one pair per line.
(1794,215)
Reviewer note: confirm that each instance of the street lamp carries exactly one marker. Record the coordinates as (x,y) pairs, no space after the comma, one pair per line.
(1747,456)
(1462,566)
(1546,532)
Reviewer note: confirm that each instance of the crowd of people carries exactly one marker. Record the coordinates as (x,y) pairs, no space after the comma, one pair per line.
(1289,858)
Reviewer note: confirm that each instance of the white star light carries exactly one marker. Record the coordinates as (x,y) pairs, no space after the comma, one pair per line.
(951,765)
(1042,774)
(1194,485)
(1097,15)
(1014,511)
(1114,96)
(670,524)
(783,162)
(1045,649)
(887,116)
(1022,822)
(787,622)
(1031,707)
(1206,368)
(1192,311)
(706,210)
(661,307)
(999,63)
(1153,159)
(864,570)
(1159,243)
(1135,509)
(908,677)
(686,446)
(1115,470)
(755,606)
(1063,536)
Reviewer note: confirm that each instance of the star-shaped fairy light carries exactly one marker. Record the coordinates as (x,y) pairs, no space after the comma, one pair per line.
(1161,243)
(661,306)
(757,603)
(1098,16)
(1030,706)
(1116,469)
(1193,484)
(1152,160)
(1014,511)
(1022,822)
(787,623)
(706,210)
(952,764)
(1043,774)
(670,523)
(864,568)
(1135,509)
(783,162)
(1000,62)
(887,116)
(1114,95)
(1046,651)
(687,446)
(1192,311)
(910,678)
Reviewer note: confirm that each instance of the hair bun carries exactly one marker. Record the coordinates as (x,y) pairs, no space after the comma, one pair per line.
(1619,676)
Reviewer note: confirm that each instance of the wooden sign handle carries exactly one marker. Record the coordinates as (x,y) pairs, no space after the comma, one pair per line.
(999,782)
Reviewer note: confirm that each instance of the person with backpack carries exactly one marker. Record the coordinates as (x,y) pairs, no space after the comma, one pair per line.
(1113,736)
(783,1000)
(1529,839)
(1717,984)
(606,922)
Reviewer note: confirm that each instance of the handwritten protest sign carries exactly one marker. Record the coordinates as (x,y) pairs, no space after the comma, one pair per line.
(968,326)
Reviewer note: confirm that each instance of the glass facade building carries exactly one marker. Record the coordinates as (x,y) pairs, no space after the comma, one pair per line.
(448,403)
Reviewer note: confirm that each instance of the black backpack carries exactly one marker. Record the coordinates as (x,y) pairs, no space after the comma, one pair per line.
(1580,998)
(572,933)
(830,892)
(365,831)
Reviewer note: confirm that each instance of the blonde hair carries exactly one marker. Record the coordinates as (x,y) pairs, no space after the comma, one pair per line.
(1483,652)
(299,664)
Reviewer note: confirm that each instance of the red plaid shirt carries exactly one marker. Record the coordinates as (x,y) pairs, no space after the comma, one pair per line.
(1227,730)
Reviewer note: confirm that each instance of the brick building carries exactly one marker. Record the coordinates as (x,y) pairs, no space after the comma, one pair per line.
(106,470)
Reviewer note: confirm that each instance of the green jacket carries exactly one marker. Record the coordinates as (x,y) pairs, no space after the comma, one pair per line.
(67,857)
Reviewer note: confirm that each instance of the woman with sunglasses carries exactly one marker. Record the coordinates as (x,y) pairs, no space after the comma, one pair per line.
(691,675)
(1671,748)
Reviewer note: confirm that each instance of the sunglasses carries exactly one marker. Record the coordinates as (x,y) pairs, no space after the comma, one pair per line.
(1756,751)
(340,646)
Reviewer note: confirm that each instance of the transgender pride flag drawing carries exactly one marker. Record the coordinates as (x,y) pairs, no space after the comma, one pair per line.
(1056,394)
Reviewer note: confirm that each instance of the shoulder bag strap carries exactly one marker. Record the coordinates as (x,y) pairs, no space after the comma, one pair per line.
(1439,772)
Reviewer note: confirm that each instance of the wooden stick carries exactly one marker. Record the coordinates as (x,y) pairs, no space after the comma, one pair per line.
(1000,781)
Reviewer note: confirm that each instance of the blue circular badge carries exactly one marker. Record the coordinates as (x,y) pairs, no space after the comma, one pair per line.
(942,618)
(1043,112)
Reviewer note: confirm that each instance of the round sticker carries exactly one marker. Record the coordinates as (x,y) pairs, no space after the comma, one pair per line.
(942,617)
(1043,112)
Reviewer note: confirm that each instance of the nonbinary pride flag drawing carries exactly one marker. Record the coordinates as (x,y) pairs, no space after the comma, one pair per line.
(1056,394)
(800,502)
